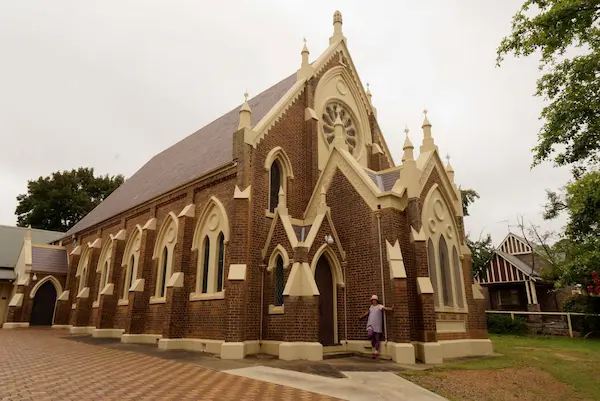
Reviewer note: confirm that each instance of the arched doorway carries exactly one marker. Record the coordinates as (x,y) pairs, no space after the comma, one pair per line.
(325,283)
(42,312)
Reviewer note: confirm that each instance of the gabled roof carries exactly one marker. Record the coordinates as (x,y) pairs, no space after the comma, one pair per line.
(384,180)
(200,153)
(521,265)
(49,259)
(514,245)
(11,242)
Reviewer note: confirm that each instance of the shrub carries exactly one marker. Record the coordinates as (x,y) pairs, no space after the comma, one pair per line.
(586,325)
(504,324)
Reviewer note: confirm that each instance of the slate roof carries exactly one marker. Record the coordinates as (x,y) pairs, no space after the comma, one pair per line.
(384,180)
(49,260)
(203,151)
(11,242)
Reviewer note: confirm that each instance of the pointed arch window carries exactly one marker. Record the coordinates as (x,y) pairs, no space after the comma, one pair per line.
(279,281)
(130,275)
(274,185)
(221,262)
(163,273)
(459,284)
(206,265)
(83,278)
(210,242)
(129,263)
(431,260)
(445,272)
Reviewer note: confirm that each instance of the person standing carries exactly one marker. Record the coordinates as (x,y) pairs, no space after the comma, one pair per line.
(375,323)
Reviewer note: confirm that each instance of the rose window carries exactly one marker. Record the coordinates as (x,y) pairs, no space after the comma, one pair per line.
(330,114)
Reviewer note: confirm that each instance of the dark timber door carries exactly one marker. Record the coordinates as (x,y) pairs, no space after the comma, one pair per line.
(43,305)
(325,285)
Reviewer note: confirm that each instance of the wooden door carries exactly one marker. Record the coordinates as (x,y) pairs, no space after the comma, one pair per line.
(324,281)
(42,312)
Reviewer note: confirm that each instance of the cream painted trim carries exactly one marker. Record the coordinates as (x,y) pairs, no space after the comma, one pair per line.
(76,250)
(140,338)
(108,289)
(135,240)
(82,329)
(54,282)
(237,272)
(278,251)
(358,178)
(150,224)
(95,304)
(276,310)
(171,218)
(15,325)
(207,297)
(477,291)
(334,263)
(429,353)
(107,333)
(47,246)
(73,306)
(301,281)
(61,326)
(138,285)
(157,300)
(254,136)
(451,326)
(120,236)
(433,162)
(123,302)
(191,344)
(310,351)
(395,260)
(16,301)
(466,347)
(269,214)
(176,280)
(245,194)
(97,244)
(188,211)
(424,285)
(84,293)
(64,296)
(278,153)
(198,236)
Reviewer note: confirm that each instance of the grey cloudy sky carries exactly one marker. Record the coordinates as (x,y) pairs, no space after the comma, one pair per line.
(110,83)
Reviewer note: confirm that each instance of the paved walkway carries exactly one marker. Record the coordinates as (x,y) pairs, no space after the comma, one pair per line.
(41,365)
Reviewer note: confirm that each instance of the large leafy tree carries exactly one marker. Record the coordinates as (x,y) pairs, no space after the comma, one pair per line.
(468,197)
(60,200)
(482,251)
(566,35)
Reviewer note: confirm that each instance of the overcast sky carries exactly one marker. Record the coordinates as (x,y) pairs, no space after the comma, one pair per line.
(108,84)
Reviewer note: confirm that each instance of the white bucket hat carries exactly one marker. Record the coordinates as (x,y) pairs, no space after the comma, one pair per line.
(375,297)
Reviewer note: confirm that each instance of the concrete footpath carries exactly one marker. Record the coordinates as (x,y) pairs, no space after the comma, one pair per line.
(358,386)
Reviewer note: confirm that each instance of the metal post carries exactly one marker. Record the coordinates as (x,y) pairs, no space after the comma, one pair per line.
(570,327)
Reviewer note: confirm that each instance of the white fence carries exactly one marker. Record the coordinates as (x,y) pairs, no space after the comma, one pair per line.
(567,314)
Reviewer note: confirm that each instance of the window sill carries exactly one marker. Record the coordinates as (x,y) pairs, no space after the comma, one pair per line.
(158,300)
(268,214)
(451,310)
(194,296)
(123,302)
(276,310)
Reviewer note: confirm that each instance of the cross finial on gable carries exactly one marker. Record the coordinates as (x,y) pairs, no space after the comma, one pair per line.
(425,111)
(246,95)
(406,130)
(448,158)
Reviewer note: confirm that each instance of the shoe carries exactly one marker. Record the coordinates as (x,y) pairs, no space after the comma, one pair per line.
(374,356)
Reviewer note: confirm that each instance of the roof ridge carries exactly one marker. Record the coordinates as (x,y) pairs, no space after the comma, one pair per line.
(33,229)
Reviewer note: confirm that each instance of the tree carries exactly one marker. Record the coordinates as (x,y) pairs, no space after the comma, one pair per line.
(468,197)
(60,200)
(482,251)
(570,82)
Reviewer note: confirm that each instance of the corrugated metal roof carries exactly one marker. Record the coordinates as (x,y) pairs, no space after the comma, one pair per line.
(51,260)
(11,242)
(201,152)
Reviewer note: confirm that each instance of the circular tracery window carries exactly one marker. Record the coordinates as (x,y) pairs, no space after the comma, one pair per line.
(332,110)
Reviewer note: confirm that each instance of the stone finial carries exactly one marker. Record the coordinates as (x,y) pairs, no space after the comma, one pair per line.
(337,28)
(408,148)
(245,114)
(306,70)
(305,54)
(369,95)
(449,168)
(323,196)
(281,197)
(428,142)
(339,135)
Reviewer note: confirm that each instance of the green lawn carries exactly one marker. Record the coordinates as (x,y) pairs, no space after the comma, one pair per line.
(573,362)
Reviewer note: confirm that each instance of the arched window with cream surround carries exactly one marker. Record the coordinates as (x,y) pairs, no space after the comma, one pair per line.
(210,241)
(279,167)
(130,262)
(278,262)
(104,267)
(83,269)
(164,250)
(438,222)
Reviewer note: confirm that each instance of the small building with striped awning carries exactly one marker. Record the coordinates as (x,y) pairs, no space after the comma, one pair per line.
(513,278)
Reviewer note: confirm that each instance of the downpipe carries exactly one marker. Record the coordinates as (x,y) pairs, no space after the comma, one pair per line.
(262,306)
(381,268)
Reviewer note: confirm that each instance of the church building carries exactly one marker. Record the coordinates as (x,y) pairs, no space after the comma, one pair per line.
(268,230)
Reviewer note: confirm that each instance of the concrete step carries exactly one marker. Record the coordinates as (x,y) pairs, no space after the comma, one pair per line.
(338,354)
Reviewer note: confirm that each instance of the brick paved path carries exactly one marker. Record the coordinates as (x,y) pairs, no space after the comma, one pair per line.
(37,364)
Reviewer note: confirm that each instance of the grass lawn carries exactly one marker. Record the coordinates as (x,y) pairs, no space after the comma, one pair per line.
(529,368)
